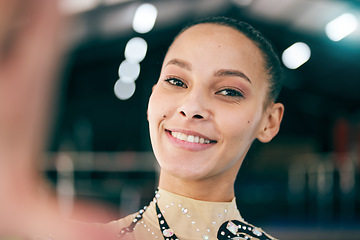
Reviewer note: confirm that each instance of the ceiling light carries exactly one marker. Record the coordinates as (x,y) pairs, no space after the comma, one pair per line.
(296,55)
(123,90)
(341,26)
(145,17)
(129,71)
(136,49)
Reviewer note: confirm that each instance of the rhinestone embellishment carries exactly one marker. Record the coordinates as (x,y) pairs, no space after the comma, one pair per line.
(168,233)
(257,232)
(184,210)
(232,227)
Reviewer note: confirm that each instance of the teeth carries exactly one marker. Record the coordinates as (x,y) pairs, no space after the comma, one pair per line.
(182,136)
(190,138)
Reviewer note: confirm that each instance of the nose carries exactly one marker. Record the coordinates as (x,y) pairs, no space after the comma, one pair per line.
(196,116)
(195,106)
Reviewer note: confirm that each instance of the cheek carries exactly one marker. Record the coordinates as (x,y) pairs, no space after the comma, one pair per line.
(240,124)
(153,119)
(154,110)
(159,107)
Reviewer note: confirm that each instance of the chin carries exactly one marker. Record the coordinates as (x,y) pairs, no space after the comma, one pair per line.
(186,167)
(187,173)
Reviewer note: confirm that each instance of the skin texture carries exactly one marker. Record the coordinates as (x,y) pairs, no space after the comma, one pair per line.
(212,84)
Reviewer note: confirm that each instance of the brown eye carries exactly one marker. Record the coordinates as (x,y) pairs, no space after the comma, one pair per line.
(230,93)
(176,82)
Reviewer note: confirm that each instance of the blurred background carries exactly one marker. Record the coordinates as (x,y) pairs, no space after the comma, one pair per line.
(302,185)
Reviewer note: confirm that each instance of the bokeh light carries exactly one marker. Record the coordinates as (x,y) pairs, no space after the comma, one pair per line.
(136,49)
(123,90)
(341,27)
(145,17)
(129,71)
(296,55)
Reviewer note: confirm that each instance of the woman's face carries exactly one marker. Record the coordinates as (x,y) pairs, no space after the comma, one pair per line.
(208,105)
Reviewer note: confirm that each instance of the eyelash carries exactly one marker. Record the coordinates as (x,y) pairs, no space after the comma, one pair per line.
(176,82)
(231,93)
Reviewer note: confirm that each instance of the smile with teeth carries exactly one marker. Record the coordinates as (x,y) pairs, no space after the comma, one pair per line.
(191,138)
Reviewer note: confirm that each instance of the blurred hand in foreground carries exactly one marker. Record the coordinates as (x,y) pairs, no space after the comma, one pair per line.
(29,54)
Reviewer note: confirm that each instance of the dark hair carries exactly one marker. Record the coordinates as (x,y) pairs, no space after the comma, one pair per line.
(272,62)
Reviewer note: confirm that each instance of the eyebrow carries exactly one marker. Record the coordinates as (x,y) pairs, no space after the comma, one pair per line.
(220,73)
(231,72)
(181,63)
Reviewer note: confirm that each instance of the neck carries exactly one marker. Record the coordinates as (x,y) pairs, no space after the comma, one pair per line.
(211,189)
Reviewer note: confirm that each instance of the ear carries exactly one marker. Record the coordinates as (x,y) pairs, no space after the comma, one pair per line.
(271,124)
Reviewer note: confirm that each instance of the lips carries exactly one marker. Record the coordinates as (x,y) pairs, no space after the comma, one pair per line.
(191,137)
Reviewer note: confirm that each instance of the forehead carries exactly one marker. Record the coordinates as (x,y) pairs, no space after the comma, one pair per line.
(219,46)
(217,33)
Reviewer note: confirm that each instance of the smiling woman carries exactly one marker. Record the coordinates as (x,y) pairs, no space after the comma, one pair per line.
(215,95)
